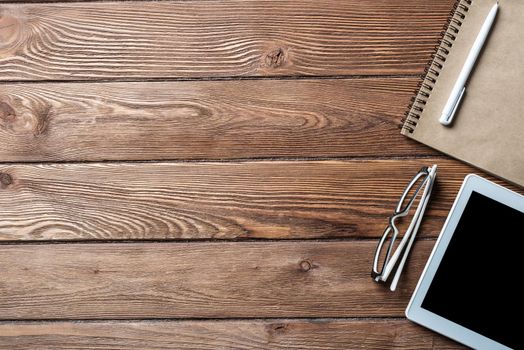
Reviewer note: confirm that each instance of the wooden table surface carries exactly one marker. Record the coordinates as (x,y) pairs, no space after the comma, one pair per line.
(210,174)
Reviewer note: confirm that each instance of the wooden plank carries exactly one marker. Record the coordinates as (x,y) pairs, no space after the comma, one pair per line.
(174,39)
(245,334)
(205,120)
(277,200)
(199,280)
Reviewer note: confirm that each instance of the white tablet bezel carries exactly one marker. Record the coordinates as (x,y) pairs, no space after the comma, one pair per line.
(414,311)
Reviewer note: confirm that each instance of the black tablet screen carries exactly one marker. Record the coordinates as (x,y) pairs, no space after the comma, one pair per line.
(476,282)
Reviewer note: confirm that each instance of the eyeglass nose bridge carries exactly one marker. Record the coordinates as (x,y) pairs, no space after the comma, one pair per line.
(375,274)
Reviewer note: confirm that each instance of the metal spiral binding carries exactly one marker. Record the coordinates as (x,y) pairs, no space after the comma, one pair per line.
(435,65)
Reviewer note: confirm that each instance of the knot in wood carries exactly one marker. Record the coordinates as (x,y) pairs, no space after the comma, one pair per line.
(10,28)
(5,180)
(305,265)
(279,327)
(7,113)
(29,121)
(275,58)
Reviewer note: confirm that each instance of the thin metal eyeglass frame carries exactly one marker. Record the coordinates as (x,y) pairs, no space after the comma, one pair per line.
(425,179)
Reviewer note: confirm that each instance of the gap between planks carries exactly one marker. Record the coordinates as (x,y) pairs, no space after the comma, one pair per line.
(209,320)
(195,241)
(232,78)
(233,160)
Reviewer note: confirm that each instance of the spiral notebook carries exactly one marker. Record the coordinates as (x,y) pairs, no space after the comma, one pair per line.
(488,129)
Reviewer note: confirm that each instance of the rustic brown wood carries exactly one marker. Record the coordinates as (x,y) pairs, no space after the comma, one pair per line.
(173,39)
(341,76)
(284,199)
(205,120)
(246,334)
(217,280)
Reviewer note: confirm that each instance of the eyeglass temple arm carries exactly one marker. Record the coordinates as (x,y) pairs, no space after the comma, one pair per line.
(422,172)
(400,267)
(379,275)
(393,261)
(413,227)
(426,197)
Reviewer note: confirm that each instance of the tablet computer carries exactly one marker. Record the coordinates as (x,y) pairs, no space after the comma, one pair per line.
(468,289)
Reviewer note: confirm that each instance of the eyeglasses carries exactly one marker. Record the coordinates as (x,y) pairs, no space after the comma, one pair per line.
(422,183)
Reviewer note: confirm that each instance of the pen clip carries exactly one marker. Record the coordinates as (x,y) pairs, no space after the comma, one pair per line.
(446,120)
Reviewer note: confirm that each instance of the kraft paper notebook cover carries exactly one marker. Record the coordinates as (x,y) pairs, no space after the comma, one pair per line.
(488,129)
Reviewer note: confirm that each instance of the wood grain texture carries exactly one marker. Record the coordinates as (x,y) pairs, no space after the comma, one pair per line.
(325,334)
(199,280)
(173,39)
(205,120)
(183,96)
(277,200)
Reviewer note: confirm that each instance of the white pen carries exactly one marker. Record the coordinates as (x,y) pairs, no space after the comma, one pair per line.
(460,85)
